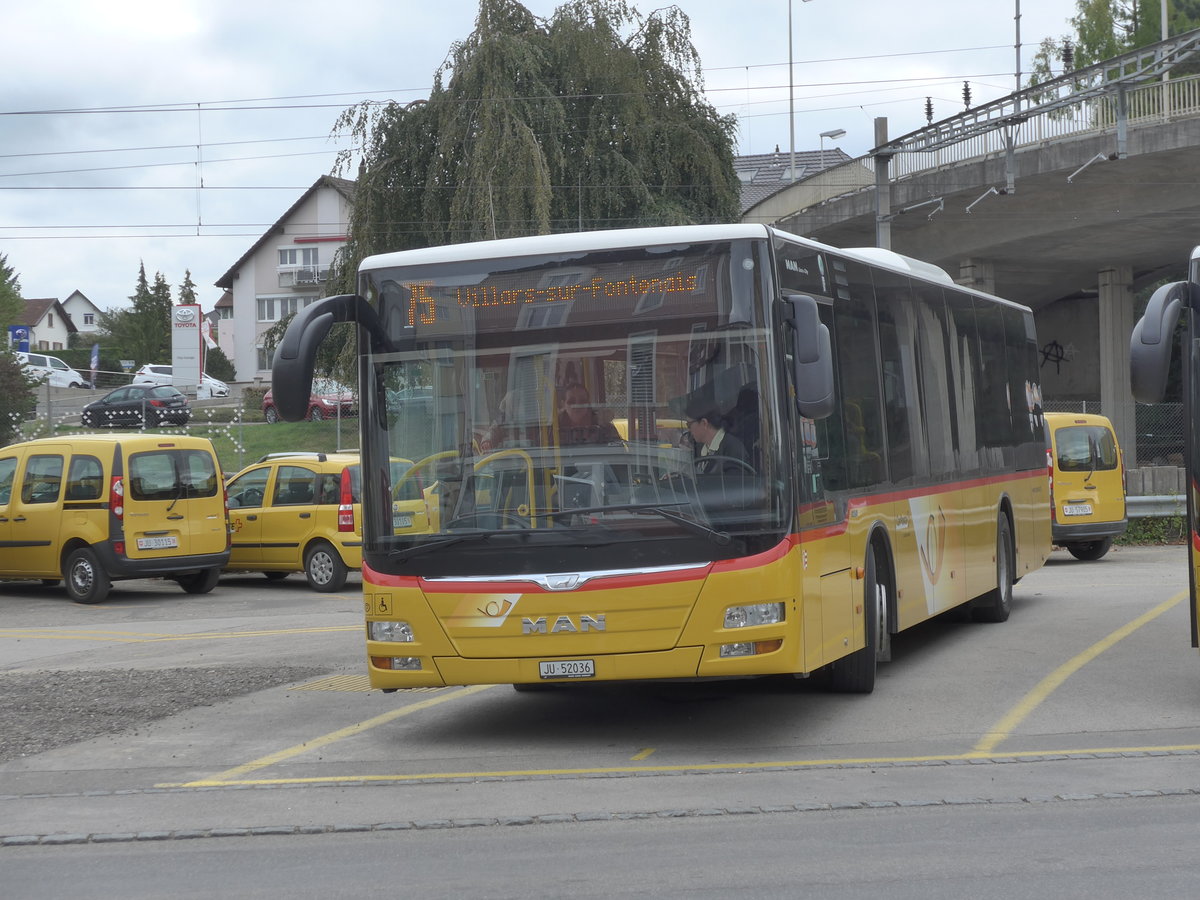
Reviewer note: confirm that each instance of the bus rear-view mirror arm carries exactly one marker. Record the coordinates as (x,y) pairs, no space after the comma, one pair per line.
(1150,345)
(812,357)
(296,355)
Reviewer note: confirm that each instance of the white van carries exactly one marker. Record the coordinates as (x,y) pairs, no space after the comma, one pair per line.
(42,367)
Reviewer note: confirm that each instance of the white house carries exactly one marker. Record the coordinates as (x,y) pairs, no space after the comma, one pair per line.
(284,271)
(50,327)
(84,314)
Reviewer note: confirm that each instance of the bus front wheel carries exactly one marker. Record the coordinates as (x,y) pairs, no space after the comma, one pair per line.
(855,674)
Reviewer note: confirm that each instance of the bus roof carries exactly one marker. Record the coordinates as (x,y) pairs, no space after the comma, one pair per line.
(565,243)
(614,239)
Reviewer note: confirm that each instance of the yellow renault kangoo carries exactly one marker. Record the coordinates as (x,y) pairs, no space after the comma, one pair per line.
(94,508)
(1087,484)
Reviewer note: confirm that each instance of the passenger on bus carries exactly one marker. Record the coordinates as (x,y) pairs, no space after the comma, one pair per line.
(729,455)
(578,423)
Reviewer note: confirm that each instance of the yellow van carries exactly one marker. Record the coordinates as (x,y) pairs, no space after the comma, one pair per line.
(302,512)
(1087,484)
(94,508)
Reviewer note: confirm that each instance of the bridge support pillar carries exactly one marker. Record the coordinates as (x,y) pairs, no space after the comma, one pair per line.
(1116,324)
(977,273)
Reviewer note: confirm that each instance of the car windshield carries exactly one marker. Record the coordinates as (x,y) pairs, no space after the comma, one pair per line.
(619,408)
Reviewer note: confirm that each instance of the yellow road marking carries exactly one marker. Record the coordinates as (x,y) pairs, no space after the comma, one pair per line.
(333,737)
(151,637)
(1009,722)
(227,779)
(643,754)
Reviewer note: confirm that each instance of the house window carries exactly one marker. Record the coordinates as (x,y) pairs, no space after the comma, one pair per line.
(50,320)
(266,309)
(264,358)
(89,318)
(298,256)
(225,312)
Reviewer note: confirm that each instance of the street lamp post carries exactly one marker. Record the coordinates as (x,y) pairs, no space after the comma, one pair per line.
(833,134)
(791,96)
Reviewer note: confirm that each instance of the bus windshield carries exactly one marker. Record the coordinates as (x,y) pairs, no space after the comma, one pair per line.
(591,410)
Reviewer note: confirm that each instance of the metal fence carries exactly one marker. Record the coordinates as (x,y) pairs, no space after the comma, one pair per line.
(59,411)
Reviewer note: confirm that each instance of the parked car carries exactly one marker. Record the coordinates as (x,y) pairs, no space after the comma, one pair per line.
(300,512)
(157,374)
(138,405)
(94,508)
(1087,484)
(324,402)
(43,367)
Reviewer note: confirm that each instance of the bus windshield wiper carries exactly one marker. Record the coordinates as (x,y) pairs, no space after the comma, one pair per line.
(720,538)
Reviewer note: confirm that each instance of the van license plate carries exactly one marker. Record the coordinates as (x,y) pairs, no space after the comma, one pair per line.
(158,543)
(1077,509)
(567,668)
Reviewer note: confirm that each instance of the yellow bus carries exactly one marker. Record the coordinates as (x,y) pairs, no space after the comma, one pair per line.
(1151,347)
(867,451)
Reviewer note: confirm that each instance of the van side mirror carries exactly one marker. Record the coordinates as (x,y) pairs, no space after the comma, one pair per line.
(812,357)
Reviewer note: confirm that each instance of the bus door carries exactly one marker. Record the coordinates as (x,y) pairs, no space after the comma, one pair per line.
(828,584)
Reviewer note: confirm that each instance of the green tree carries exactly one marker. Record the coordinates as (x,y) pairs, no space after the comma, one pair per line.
(1108,28)
(218,365)
(187,290)
(593,118)
(142,331)
(17,398)
(12,306)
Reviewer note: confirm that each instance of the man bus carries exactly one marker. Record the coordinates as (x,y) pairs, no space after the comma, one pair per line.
(891,464)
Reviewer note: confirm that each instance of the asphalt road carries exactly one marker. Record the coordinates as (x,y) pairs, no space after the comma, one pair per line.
(1057,754)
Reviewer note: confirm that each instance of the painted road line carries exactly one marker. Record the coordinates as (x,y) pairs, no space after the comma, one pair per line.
(698,768)
(334,737)
(1009,722)
(152,637)
(643,754)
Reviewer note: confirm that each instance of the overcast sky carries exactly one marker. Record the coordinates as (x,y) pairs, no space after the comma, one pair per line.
(122,110)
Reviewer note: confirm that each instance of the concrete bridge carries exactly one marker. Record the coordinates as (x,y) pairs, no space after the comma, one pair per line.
(1067,197)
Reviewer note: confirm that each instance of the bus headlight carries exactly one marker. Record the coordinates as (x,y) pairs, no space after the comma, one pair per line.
(758,614)
(390,631)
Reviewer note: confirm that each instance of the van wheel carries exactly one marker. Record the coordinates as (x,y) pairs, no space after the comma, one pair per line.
(87,582)
(324,569)
(200,582)
(996,605)
(1090,551)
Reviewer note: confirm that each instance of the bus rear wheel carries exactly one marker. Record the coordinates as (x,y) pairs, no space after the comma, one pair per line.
(995,605)
(855,674)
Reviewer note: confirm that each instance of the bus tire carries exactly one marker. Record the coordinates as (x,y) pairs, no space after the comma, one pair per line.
(995,605)
(855,674)
(86,581)
(324,569)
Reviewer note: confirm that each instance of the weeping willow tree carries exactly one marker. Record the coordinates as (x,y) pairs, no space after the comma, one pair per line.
(592,118)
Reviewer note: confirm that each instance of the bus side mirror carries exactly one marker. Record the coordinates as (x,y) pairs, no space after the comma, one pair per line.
(812,357)
(296,355)
(1150,345)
